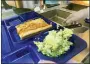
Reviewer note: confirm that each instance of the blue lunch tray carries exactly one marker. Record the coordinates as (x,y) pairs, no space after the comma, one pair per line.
(15,50)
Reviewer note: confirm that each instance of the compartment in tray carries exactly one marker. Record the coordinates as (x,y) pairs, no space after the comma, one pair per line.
(14,21)
(5,41)
(26,16)
(23,55)
(13,33)
(29,15)
(15,37)
(75,49)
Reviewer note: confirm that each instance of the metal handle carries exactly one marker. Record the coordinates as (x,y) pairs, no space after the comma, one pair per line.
(74,25)
(87,21)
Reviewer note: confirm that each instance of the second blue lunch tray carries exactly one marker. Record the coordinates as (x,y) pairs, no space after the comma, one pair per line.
(15,50)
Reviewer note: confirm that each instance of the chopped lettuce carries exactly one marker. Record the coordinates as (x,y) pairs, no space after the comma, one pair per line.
(55,43)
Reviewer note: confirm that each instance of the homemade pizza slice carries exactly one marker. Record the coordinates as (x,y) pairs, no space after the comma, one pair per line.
(32,27)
